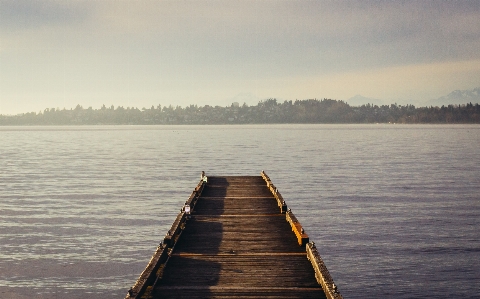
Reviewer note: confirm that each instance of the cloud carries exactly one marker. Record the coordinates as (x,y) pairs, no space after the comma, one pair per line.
(306,36)
(187,51)
(18,15)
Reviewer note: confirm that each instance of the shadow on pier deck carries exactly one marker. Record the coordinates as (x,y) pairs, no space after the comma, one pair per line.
(236,242)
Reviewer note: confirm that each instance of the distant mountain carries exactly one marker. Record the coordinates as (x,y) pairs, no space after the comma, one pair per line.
(360,100)
(457,97)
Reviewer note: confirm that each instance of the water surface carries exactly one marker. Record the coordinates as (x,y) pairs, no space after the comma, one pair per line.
(394,209)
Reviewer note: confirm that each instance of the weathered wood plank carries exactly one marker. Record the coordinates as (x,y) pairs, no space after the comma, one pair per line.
(237,242)
(235,205)
(216,292)
(250,233)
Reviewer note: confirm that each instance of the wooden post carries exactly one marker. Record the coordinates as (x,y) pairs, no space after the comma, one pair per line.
(321,273)
(280,201)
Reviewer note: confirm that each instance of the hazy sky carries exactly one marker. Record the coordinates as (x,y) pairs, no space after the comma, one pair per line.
(56,54)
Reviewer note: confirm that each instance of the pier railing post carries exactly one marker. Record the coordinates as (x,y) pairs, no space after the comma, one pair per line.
(321,272)
(280,201)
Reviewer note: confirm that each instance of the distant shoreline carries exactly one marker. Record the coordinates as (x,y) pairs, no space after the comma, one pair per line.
(313,111)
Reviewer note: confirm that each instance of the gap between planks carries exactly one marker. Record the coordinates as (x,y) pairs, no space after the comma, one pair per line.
(242,254)
(234,197)
(236,215)
(242,288)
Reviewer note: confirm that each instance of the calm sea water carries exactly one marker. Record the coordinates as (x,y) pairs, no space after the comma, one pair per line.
(393,209)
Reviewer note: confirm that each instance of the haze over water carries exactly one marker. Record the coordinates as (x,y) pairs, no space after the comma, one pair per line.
(394,209)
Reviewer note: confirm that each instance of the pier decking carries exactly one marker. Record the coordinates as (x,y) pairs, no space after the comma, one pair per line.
(235,238)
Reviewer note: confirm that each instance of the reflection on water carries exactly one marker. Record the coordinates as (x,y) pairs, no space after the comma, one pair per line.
(393,209)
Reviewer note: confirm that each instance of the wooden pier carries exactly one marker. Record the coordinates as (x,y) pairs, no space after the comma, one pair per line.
(235,238)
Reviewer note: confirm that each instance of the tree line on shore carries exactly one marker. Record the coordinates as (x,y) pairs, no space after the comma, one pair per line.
(265,112)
